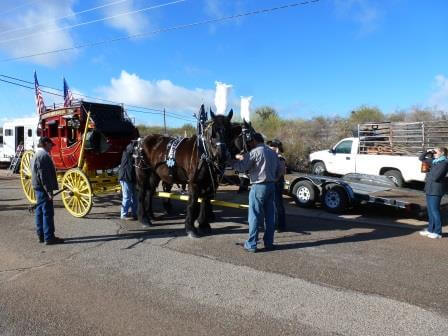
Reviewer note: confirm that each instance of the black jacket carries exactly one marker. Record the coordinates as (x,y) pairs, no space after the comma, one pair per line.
(436,182)
(127,169)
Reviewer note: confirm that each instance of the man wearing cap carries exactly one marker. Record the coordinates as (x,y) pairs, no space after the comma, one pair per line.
(264,170)
(43,179)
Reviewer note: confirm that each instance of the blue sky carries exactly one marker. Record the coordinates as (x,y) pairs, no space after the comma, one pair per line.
(316,59)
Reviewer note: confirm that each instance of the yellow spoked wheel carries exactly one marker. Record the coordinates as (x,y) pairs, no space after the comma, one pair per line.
(77,194)
(25,176)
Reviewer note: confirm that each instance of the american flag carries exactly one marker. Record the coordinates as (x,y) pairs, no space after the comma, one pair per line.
(40,106)
(68,96)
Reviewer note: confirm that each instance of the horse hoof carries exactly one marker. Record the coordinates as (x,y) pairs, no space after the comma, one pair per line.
(145,222)
(192,234)
(205,230)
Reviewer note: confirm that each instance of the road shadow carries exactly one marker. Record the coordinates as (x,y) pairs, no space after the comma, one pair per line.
(309,227)
(156,231)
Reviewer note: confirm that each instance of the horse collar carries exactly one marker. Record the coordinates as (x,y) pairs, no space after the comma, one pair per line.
(172,146)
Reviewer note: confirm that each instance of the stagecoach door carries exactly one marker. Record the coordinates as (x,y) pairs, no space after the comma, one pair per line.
(19,133)
(52,130)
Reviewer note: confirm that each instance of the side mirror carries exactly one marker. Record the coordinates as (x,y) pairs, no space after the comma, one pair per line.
(331,150)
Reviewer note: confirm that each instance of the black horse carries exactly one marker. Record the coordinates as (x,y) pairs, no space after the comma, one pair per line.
(198,162)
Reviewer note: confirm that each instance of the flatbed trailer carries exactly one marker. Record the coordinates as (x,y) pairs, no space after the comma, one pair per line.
(337,195)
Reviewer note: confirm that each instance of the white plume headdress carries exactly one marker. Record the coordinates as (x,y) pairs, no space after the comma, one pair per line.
(221,94)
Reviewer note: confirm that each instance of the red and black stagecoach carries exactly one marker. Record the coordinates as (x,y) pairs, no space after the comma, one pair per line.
(89,141)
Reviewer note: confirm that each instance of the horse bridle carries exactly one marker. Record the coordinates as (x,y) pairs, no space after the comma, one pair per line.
(139,158)
(211,160)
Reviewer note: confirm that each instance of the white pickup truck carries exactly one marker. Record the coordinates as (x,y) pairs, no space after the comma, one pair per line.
(344,158)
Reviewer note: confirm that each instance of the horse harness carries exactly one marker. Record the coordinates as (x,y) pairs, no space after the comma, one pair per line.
(170,156)
(138,156)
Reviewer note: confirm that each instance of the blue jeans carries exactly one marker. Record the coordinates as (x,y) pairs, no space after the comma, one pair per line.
(261,211)
(129,199)
(280,222)
(435,222)
(44,215)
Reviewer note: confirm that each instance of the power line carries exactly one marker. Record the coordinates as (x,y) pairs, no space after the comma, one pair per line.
(17,7)
(163,30)
(160,111)
(93,21)
(63,17)
(149,110)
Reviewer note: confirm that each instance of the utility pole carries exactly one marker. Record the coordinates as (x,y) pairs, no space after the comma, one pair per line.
(164,120)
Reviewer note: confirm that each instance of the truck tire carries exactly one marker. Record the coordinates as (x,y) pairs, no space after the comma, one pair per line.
(395,176)
(335,199)
(319,168)
(304,194)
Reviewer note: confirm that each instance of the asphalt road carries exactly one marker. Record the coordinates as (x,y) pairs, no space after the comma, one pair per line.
(328,277)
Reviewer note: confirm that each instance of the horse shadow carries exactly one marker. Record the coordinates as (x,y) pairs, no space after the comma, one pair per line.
(298,227)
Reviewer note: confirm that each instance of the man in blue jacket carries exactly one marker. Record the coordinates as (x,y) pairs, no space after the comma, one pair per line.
(435,187)
(44,181)
(264,171)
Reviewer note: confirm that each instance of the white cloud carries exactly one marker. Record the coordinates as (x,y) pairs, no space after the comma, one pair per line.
(439,97)
(39,12)
(133,90)
(363,12)
(132,23)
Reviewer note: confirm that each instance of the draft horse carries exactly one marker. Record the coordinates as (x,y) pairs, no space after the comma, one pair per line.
(199,161)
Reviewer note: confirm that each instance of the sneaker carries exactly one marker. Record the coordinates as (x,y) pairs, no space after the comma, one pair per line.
(251,250)
(126,218)
(41,239)
(54,241)
(424,233)
(270,248)
(433,235)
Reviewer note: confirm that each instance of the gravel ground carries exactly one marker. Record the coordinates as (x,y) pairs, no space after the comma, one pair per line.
(328,277)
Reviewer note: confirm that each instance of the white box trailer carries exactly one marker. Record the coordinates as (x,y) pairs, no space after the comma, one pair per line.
(16,132)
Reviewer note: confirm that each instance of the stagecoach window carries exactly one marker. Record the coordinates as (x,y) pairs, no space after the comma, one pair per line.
(53,129)
(30,133)
(8,132)
(71,136)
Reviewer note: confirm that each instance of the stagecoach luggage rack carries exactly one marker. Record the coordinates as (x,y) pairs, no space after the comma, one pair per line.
(402,138)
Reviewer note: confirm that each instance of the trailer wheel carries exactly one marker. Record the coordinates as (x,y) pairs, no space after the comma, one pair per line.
(319,168)
(395,176)
(335,199)
(304,194)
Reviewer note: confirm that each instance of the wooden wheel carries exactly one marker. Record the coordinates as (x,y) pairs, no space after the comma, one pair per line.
(25,176)
(77,194)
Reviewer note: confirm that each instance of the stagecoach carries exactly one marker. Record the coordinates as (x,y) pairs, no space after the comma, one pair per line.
(89,141)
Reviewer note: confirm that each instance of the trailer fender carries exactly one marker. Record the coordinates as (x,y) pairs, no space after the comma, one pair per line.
(336,198)
(349,191)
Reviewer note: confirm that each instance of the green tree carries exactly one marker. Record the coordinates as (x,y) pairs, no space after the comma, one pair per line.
(266,112)
(366,113)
